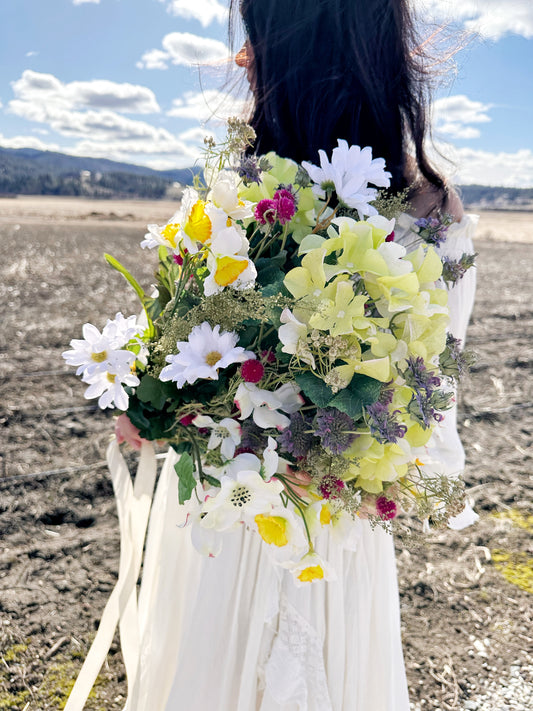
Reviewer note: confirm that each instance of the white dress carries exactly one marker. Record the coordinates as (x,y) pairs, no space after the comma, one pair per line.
(234,633)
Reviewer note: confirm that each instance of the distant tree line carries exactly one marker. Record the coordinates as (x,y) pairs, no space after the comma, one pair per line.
(101,185)
(489,195)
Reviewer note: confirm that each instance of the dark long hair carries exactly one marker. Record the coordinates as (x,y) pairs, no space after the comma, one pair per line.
(329,69)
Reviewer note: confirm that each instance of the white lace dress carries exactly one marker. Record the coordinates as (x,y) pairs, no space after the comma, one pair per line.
(234,633)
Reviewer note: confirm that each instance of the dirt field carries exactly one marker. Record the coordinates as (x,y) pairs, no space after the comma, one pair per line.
(466,597)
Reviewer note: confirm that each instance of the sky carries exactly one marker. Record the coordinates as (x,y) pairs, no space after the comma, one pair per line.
(143,81)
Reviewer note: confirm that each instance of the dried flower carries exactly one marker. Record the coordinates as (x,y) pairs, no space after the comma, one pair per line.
(335,429)
(297,438)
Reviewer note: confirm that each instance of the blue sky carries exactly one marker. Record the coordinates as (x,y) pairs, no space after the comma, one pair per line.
(120,79)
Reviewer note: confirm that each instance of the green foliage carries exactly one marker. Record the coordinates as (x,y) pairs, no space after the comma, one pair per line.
(361,391)
(184,468)
(315,389)
(134,283)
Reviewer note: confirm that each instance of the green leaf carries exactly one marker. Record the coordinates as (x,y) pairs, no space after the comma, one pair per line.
(361,391)
(153,391)
(135,284)
(184,468)
(126,274)
(315,389)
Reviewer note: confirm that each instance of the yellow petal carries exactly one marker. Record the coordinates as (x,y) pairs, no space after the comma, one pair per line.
(325,515)
(169,232)
(198,225)
(314,572)
(229,270)
(272,529)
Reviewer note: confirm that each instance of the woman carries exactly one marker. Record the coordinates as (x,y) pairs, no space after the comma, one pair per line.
(234,633)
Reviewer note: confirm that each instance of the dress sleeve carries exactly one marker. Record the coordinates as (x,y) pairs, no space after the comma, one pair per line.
(444,453)
(461,295)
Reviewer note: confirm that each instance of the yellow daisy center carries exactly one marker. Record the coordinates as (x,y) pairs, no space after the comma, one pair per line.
(170,231)
(314,572)
(272,529)
(198,225)
(213,357)
(229,270)
(99,357)
(111,377)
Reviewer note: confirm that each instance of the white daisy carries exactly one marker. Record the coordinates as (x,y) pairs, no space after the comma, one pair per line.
(203,354)
(121,330)
(349,172)
(98,352)
(108,387)
(226,433)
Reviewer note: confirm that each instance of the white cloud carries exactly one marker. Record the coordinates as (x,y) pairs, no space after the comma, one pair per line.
(490,18)
(27,142)
(79,110)
(206,105)
(471,166)
(195,135)
(154,59)
(82,2)
(32,53)
(205,11)
(453,116)
(46,89)
(184,48)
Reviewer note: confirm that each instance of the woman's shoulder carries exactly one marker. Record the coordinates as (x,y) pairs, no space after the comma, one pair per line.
(428,200)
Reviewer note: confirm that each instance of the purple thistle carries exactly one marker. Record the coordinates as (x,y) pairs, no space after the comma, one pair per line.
(249,169)
(253,438)
(384,426)
(297,439)
(335,429)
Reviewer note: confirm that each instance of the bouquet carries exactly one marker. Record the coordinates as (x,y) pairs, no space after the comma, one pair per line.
(292,353)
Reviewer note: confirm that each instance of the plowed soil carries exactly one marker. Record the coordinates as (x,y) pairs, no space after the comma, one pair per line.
(466,597)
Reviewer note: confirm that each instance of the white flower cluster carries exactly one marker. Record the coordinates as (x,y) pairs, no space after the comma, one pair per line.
(349,173)
(103,363)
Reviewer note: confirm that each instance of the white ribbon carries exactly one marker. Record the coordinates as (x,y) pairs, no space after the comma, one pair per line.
(133,504)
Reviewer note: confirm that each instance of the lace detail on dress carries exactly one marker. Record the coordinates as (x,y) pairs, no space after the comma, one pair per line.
(294,672)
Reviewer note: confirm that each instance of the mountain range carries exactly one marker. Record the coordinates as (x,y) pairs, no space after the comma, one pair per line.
(34,172)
